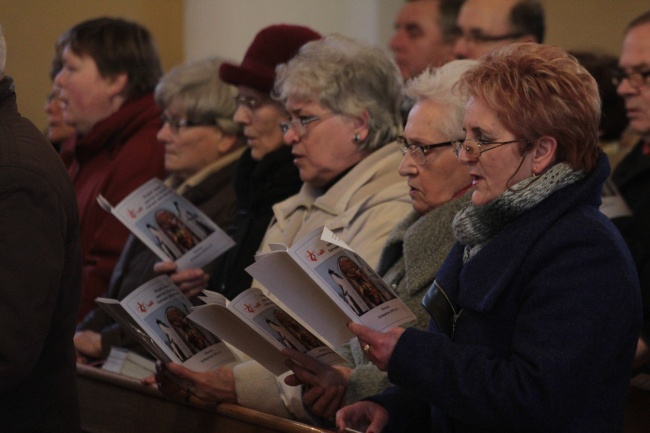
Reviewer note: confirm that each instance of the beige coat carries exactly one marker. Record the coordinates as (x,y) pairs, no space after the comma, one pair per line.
(362,208)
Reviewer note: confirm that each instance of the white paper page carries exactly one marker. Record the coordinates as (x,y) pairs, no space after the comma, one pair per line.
(159,307)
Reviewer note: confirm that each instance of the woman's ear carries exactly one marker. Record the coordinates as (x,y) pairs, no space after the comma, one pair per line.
(361,126)
(543,154)
(118,83)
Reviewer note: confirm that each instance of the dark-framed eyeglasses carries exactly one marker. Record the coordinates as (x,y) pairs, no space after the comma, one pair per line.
(477,37)
(250,102)
(176,123)
(300,124)
(636,79)
(421,153)
(474,148)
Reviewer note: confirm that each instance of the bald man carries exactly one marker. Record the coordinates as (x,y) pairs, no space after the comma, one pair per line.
(484,25)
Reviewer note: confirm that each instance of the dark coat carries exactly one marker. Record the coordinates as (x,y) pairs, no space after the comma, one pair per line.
(259,185)
(547,334)
(632,177)
(40,279)
(215,196)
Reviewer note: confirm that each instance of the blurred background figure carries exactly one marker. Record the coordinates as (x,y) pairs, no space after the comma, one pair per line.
(613,120)
(202,146)
(484,25)
(632,175)
(40,272)
(57,130)
(110,68)
(424,35)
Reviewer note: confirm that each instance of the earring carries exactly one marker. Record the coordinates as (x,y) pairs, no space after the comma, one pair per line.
(357,138)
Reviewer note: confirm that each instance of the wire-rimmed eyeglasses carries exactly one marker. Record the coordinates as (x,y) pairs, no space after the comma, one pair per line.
(176,123)
(250,102)
(636,79)
(420,153)
(474,148)
(300,124)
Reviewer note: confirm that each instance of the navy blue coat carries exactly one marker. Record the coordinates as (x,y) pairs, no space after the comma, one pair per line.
(545,342)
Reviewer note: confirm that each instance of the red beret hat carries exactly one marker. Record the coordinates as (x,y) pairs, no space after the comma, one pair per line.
(272,46)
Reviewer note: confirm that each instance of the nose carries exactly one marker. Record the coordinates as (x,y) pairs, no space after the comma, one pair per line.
(59,78)
(460,49)
(291,136)
(396,43)
(462,157)
(242,115)
(407,166)
(164,134)
(624,88)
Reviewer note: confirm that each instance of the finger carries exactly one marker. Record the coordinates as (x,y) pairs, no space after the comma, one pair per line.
(329,402)
(365,334)
(310,396)
(292,380)
(304,375)
(164,267)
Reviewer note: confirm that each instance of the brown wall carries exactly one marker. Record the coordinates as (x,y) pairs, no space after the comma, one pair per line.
(32,26)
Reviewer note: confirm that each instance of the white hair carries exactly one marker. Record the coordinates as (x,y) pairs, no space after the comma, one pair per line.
(439,85)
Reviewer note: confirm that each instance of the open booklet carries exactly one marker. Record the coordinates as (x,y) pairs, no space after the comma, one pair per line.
(327,285)
(252,323)
(155,314)
(172,227)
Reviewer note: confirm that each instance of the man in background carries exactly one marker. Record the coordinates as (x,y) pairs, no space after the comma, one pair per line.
(40,277)
(423,35)
(484,25)
(632,175)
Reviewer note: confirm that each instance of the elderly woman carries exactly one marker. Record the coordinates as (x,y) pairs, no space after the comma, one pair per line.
(343,98)
(265,173)
(418,245)
(536,309)
(202,145)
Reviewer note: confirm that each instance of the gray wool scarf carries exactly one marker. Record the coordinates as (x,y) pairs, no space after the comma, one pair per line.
(474,226)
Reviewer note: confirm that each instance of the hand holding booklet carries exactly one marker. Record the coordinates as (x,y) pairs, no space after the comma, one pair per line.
(172,227)
(327,285)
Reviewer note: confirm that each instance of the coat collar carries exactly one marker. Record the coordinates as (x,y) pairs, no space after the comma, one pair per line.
(487,274)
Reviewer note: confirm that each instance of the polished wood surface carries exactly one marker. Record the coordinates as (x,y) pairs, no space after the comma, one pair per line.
(114,403)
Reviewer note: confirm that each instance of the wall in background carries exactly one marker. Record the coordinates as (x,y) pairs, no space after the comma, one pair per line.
(32,26)
(193,29)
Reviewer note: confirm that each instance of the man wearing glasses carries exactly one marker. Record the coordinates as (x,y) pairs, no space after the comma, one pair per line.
(632,175)
(484,25)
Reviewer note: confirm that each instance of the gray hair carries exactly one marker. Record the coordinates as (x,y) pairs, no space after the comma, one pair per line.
(3,53)
(203,96)
(439,85)
(348,77)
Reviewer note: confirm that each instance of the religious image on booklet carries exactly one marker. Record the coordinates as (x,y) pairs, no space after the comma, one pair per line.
(170,225)
(327,285)
(255,325)
(155,314)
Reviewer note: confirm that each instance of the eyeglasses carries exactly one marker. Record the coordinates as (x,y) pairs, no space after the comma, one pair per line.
(419,153)
(176,123)
(635,79)
(250,102)
(474,148)
(477,38)
(300,124)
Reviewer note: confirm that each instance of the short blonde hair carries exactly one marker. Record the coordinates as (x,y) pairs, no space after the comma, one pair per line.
(540,90)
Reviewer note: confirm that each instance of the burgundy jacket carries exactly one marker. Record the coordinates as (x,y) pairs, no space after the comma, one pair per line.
(119,154)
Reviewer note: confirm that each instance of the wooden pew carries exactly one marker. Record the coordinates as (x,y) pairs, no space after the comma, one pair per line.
(111,402)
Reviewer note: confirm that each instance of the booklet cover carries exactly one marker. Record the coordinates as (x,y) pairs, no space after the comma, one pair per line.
(252,323)
(172,227)
(155,314)
(327,285)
